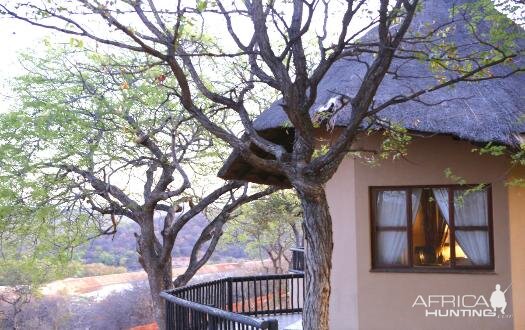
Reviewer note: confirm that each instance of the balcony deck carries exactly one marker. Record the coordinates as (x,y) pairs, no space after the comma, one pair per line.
(263,302)
(290,321)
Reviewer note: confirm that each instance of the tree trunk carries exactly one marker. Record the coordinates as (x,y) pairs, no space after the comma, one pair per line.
(299,241)
(159,279)
(159,273)
(274,260)
(318,254)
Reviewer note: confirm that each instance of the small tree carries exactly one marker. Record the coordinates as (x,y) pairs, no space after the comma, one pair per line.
(269,227)
(17,297)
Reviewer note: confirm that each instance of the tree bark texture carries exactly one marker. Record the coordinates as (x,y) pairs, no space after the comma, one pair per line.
(318,254)
(159,279)
(159,271)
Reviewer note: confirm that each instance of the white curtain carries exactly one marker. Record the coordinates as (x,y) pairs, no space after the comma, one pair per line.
(469,210)
(391,212)
(416,199)
(441,195)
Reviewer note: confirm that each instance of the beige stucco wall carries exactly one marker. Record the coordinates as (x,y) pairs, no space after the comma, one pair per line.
(367,300)
(344,281)
(517,252)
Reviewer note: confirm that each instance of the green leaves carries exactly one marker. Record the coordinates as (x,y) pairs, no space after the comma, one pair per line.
(75,42)
(493,38)
(502,32)
(266,224)
(86,112)
(449,174)
(491,149)
(516,155)
(395,142)
(201,5)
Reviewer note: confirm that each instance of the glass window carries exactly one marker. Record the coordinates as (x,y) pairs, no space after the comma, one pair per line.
(391,227)
(432,227)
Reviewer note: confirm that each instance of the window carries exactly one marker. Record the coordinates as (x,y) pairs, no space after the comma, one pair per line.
(438,228)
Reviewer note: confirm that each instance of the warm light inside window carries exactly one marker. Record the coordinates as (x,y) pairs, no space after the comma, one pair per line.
(413,227)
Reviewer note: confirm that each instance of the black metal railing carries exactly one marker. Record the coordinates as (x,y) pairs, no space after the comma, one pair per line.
(234,302)
(297,264)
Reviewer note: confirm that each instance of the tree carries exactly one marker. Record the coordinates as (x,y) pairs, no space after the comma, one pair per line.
(271,43)
(89,133)
(268,227)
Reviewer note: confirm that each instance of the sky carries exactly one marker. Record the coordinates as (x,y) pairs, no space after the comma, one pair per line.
(16,36)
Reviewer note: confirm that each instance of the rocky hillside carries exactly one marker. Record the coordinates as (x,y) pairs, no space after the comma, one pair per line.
(119,250)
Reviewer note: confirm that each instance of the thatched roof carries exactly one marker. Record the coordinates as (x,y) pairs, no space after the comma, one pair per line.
(486,111)
(236,168)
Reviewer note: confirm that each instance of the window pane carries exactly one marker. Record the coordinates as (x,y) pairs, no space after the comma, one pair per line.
(430,230)
(391,212)
(429,227)
(391,209)
(470,208)
(391,248)
(474,247)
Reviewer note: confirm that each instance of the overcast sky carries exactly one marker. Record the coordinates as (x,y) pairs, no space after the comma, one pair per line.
(15,36)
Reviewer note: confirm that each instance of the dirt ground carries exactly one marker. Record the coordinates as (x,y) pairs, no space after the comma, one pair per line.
(78,286)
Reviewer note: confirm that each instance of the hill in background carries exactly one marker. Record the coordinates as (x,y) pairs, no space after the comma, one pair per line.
(120,249)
